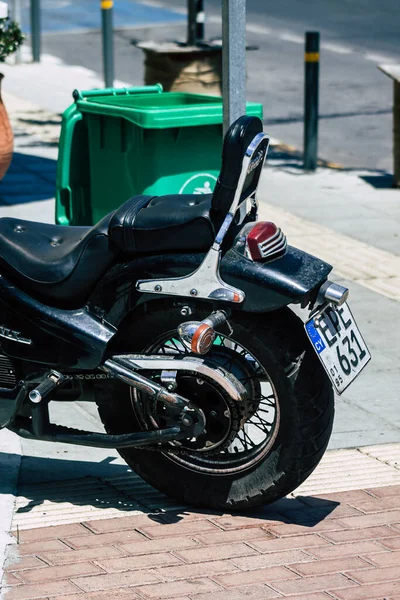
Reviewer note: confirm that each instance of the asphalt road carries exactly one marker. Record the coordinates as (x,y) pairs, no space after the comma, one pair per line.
(355,98)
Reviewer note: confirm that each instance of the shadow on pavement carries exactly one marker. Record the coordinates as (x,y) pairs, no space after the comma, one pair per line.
(29,179)
(379,181)
(125,491)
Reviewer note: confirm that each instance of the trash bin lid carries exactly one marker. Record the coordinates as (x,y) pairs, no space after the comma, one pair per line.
(162,110)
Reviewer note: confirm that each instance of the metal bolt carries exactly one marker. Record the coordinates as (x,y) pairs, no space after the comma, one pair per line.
(157,288)
(193,292)
(186,311)
(199,381)
(187,420)
(213,414)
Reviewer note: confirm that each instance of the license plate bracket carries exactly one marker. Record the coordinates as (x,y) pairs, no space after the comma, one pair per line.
(338,344)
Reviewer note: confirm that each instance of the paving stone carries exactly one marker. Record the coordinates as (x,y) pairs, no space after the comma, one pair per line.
(236,522)
(161,545)
(384,559)
(368,592)
(123,523)
(233,535)
(178,529)
(103,539)
(252,592)
(385,492)
(196,570)
(369,533)
(391,543)
(106,581)
(336,565)
(26,562)
(248,563)
(323,583)
(45,546)
(257,576)
(376,575)
(40,590)
(113,594)
(379,504)
(130,563)
(386,518)
(294,529)
(339,550)
(50,533)
(63,558)
(289,543)
(215,552)
(177,588)
(60,572)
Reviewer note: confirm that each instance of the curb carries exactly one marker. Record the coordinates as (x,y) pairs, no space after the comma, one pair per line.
(10,462)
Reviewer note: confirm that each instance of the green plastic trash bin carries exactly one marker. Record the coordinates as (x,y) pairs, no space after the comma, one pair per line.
(115,144)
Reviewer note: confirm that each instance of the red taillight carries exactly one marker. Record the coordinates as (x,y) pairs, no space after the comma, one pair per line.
(266,240)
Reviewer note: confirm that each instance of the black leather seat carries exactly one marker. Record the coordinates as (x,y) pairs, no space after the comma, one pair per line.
(60,265)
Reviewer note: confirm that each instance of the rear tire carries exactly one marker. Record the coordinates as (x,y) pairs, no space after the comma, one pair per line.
(303,422)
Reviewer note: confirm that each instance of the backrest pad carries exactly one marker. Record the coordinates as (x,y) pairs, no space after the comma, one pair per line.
(237,139)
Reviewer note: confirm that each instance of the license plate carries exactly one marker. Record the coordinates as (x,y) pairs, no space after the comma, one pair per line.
(339,344)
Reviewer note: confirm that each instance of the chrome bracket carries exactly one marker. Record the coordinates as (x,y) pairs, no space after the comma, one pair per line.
(205,282)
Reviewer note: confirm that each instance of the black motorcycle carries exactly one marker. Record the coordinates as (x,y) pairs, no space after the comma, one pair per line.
(172,315)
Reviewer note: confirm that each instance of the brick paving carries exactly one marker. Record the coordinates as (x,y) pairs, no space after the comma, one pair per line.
(343,546)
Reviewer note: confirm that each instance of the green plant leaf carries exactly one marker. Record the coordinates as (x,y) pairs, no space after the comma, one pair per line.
(11,38)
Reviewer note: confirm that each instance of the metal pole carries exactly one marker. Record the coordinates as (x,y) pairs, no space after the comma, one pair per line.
(196,19)
(16,15)
(233,60)
(108,46)
(311,92)
(396,134)
(35,30)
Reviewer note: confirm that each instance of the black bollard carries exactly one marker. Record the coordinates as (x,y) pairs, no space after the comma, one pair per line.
(195,22)
(311,93)
(35,30)
(108,45)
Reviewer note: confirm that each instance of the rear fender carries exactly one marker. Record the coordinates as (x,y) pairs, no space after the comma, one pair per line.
(294,278)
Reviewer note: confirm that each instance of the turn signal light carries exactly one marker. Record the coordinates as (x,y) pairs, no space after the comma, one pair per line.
(266,241)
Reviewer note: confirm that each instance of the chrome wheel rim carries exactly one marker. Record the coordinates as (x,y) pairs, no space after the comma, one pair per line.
(256,435)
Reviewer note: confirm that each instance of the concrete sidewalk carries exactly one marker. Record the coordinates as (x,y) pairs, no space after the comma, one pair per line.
(337,215)
(343,546)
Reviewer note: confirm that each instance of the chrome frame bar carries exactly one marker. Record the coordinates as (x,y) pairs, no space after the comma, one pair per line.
(205,281)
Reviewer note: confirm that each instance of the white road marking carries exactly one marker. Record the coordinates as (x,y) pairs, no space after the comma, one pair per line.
(380,58)
(292,37)
(336,48)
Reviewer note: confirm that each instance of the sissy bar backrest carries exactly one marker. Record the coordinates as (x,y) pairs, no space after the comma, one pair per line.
(243,157)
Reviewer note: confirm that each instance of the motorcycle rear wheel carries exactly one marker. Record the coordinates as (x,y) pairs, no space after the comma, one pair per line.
(297,419)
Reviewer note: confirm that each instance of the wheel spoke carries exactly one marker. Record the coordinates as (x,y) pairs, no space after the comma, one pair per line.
(260,409)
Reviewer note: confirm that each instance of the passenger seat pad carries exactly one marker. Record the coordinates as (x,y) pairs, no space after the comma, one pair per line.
(165,223)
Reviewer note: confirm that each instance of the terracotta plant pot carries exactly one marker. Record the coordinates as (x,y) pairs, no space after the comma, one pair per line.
(6,138)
